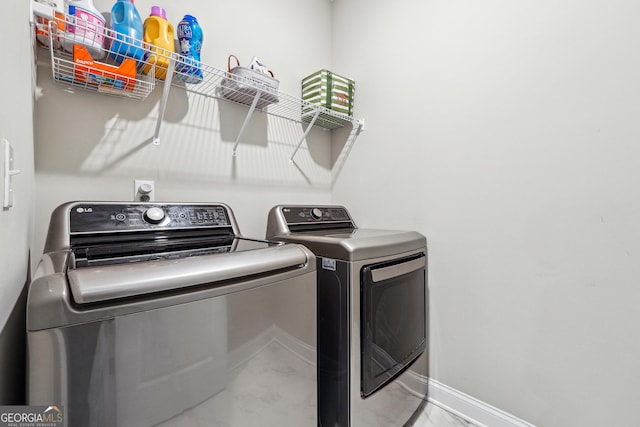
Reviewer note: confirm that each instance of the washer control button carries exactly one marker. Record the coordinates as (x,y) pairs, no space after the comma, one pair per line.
(154,215)
(316,213)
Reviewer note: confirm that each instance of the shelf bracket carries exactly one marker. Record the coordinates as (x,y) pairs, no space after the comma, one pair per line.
(246,121)
(306,132)
(164,99)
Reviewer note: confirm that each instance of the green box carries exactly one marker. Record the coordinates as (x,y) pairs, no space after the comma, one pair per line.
(329,90)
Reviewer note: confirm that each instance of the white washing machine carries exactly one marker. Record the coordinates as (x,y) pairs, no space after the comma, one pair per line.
(163,314)
(372,315)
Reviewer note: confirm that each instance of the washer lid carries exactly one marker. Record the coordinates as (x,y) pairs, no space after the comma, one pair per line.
(356,244)
(111,282)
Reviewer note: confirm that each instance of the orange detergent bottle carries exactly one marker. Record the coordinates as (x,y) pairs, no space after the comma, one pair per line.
(158,34)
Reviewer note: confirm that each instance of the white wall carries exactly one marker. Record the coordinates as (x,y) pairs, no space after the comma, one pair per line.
(90,146)
(508,133)
(504,131)
(16,120)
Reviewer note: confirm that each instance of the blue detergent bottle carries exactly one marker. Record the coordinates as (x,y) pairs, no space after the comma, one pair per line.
(190,40)
(128,32)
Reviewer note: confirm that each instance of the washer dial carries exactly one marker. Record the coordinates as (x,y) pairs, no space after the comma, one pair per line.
(154,215)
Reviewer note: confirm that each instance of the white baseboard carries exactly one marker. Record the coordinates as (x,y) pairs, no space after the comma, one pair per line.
(471,409)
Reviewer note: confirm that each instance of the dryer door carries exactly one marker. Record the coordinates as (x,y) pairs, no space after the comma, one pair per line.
(393,315)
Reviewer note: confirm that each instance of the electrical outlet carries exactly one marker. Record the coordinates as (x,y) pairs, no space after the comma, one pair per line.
(143,190)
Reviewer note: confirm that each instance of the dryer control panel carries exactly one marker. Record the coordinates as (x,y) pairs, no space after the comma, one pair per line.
(310,214)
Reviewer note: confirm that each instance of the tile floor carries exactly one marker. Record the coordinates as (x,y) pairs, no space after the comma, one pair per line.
(434,416)
(251,385)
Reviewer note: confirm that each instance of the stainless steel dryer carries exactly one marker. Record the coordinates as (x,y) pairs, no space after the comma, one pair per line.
(372,315)
(162,314)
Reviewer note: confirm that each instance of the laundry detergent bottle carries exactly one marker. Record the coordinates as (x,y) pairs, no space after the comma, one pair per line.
(190,42)
(158,34)
(85,26)
(128,32)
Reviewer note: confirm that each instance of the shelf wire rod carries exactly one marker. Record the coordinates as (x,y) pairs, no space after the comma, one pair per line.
(164,99)
(306,132)
(52,36)
(246,121)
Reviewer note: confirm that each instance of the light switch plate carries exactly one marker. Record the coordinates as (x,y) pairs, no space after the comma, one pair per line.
(9,171)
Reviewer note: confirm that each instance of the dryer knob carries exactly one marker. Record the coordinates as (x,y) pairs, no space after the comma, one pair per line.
(316,213)
(154,215)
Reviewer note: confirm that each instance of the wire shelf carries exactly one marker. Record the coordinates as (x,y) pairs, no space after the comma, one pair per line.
(243,89)
(79,59)
(95,58)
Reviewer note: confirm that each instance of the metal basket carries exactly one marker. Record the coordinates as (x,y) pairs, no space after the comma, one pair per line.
(244,84)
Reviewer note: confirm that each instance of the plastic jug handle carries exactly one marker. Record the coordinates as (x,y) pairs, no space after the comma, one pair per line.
(229,62)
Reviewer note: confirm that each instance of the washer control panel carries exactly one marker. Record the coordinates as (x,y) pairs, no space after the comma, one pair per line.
(131,217)
(311,214)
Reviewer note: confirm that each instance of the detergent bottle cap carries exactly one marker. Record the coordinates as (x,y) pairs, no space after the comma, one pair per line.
(158,11)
